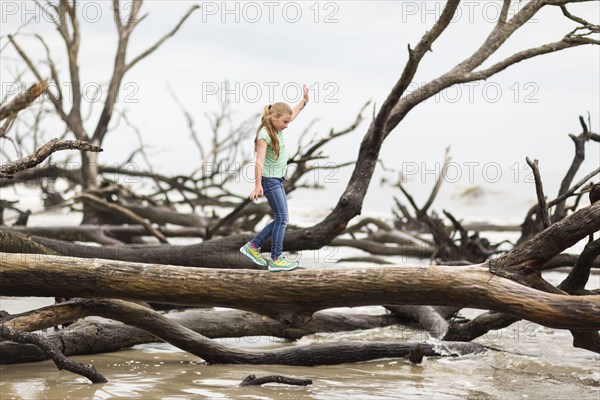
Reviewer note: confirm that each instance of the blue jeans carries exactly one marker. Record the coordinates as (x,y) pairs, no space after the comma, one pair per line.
(275,230)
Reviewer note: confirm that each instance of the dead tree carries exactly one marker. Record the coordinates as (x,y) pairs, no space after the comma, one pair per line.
(64,17)
(217,353)
(8,169)
(391,113)
(510,284)
(90,335)
(538,217)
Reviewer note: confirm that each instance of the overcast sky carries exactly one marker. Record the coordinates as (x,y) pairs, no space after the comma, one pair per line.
(347,52)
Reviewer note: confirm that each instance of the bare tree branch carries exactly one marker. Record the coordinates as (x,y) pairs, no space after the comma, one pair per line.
(52,66)
(565,43)
(152,48)
(6,126)
(252,380)
(463,72)
(122,210)
(504,12)
(121,67)
(579,141)
(542,207)
(53,352)
(579,20)
(575,282)
(415,56)
(117,15)
(23,100)
(57,104)
(10,168)
(573,188)
(437,186)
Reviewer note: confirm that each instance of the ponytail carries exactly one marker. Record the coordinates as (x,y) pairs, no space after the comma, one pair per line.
(265,122)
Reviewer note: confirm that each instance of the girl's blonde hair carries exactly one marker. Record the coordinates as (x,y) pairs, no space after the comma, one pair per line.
(276,109)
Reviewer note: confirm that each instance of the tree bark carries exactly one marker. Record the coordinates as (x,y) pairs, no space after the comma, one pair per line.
(23,100)
(295,296)
(53,352)
(8,169)
(97,335)
(218,353)
(527,259)
(211,323)
(252,380)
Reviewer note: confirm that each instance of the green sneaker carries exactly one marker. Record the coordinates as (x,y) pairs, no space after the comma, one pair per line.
(253,254)
(282,264)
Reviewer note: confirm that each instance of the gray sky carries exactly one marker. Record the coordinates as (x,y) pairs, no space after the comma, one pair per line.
(347,52)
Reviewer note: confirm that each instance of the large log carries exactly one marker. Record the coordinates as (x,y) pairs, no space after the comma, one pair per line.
(212,323)
(98,335)
(293,296)
(215,352)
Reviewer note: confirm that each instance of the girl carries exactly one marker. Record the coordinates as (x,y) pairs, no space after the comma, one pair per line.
(269,172)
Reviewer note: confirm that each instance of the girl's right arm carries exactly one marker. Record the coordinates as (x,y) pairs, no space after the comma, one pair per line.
(261,151)
(302,103)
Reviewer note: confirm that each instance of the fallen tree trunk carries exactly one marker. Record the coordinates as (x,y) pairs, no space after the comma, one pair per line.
(523,264)
(98,335)
(209,322)
(217,353)
(378,248)
(294,297)
(427,317)
(81,232)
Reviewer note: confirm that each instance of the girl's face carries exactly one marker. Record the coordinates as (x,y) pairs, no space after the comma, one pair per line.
(281,122)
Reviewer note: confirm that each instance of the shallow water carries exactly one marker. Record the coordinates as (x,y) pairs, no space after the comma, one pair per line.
(535,362)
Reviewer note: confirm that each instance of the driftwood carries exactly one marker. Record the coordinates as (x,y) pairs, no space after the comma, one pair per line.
(97,335)
(568,260)
(379,248)
(525,261)
(297,313)
(53,352)
(510,284)
(427,317)
(8,169)
(97,202)
(103,234)
(210,323)
(277,295)
(217,353)
(416,355)
(252,380)
(574,284)
(17,243)
(23,100)
(67,24)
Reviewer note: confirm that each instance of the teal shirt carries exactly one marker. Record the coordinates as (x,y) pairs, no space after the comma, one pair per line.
(274,167)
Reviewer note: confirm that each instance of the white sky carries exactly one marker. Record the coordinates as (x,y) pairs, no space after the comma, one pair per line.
(357,55)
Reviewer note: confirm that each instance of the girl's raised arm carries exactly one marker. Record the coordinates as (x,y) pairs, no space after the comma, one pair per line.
(302,103)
